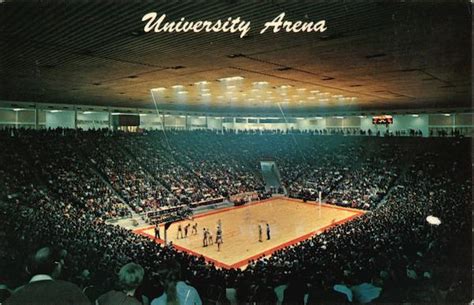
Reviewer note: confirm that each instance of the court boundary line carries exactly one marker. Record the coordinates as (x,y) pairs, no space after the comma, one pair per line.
(357,213)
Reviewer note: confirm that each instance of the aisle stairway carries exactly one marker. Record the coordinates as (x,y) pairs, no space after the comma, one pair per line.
(271,175)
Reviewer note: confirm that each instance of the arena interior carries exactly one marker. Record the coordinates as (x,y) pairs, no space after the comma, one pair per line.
(204,168)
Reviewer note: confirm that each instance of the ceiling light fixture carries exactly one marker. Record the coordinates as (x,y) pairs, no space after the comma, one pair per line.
(202,83)
(158,89)
(233,78)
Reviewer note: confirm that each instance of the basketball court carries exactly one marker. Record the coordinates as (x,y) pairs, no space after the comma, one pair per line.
(290,220)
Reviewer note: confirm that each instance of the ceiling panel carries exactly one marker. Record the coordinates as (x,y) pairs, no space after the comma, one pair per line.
(374,55)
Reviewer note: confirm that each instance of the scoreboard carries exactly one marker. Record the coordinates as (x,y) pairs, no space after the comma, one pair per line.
(382,120)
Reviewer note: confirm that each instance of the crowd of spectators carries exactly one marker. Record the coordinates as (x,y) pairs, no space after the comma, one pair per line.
(392,247)
(128,177)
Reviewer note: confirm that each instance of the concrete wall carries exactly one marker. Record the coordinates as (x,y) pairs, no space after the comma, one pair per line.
(98,117)
(64,119)
(175,121)
(92,120)
(214,123)
(197,122)
(151,121)
(310,124)
(21,118)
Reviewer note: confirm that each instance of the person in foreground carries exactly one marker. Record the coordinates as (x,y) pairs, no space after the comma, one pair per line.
(43,288)
(130,277)
(176,291)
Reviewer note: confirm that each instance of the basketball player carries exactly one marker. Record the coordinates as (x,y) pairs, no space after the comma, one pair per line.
(219,228)
(268,231)
(219,238)
(180,232)
(157,231)
(204,237)
(259,233)
(194,231)
(186,229)
(219,232)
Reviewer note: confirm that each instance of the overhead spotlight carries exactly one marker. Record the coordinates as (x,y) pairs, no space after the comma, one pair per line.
(206,94)
(18,109)
(177,86)
(87,112)
(362,116)
(314,91)
(159,89)
(230,87)
(415,115)
(202,83)
(301,89)
(311,97)
(228,79)
(55,111)
(447,114)
(182,92)
(142,114)
(318,118)
(338,117)
(205,90)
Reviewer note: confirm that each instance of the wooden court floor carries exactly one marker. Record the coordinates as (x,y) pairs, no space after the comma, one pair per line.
(290,220)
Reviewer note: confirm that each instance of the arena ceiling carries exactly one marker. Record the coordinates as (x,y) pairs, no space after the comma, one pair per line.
(373,55)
